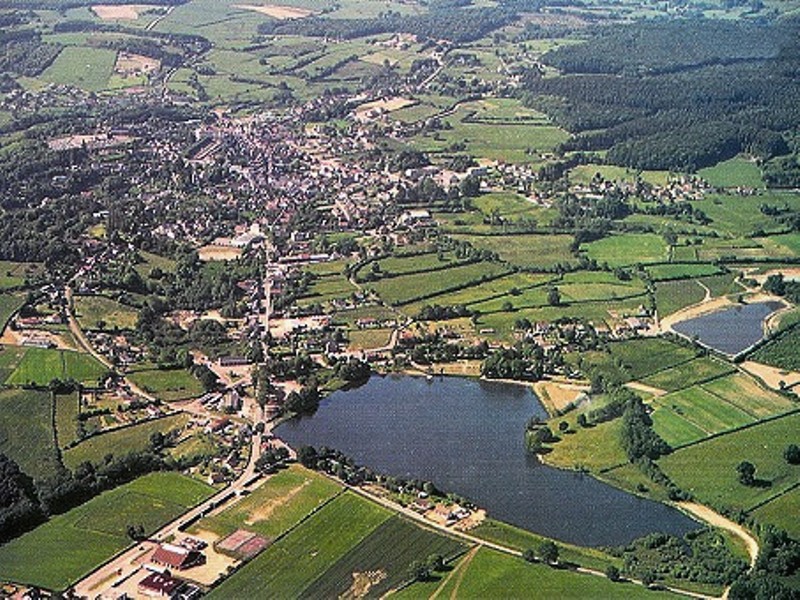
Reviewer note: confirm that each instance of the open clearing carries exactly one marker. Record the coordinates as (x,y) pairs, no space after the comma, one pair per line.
(276,506)
(276,11)
(214,252)
(122,12)
(95,531)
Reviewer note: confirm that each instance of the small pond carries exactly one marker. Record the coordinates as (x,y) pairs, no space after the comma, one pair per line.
(467,436)
(730,330)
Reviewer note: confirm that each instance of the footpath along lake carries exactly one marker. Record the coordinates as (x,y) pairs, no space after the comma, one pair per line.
(730,330)
(467,437)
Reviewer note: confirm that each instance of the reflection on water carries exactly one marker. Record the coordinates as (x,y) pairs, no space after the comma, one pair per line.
(467,437)
(731,330)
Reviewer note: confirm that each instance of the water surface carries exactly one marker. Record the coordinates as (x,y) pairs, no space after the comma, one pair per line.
(467,436)
(731,330)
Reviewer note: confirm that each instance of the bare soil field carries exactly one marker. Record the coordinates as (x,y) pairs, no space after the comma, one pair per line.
(122,12)
(213,252)
(128,64)
(556,396)
(385,105)
(93,142)
(771,376)
(276,11)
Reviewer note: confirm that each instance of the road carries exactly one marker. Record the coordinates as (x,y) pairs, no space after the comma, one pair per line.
(127,563)
(84,343)
(415,516)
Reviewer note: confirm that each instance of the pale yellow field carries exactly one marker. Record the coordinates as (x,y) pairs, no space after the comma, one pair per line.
(277,12)
(122,12)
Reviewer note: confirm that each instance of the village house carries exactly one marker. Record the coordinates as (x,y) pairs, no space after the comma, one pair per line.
(177,557)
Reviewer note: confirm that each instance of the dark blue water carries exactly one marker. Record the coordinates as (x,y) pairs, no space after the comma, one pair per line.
(467,436)
(731,330)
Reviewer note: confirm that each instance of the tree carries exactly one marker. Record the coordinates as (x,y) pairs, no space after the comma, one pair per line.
(548,552)
(435,562)
(792,454)
(612,573)
(307,456)
(747,472)
(529,555)
(419,571)
(553,296)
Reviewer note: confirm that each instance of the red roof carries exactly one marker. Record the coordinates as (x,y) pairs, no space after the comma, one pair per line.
(160,583)
(175,556)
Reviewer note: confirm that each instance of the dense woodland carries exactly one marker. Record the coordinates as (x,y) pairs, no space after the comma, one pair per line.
(721,89)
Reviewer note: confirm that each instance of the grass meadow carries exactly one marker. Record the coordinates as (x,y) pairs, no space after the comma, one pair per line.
(26,431)
(121,441)
(708,469)
(57,553)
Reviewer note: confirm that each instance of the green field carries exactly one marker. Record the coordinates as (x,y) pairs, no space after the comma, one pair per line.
(500,288)
(84,67)
(593,448)
(9,304)
(681,271)
(491,574)
(26,431)
(528,251)
(520,539)
(58,553)
(672,296)
(67,409)
(643,357)
(782,512)
(406,289)
(40,366)
(93,311)
(708,469)
(276,506)
(782,351)
(367,339)
(504,140)
(628,249)
(121,441)
(294,562)
(789,241)
(169,385)
(743,391)
(10,357)
(400,265)
(13,274)
(674,428)
(389,549)
(705,410)
(688,374)
(736,172)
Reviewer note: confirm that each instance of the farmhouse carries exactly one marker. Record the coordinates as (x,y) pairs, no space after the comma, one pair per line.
(177,557)
(159,585)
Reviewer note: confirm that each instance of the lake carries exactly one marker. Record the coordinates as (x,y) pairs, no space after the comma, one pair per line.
(467,437)
(731,330)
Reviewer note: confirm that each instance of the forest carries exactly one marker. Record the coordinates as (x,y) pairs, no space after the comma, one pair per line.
(680,106)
